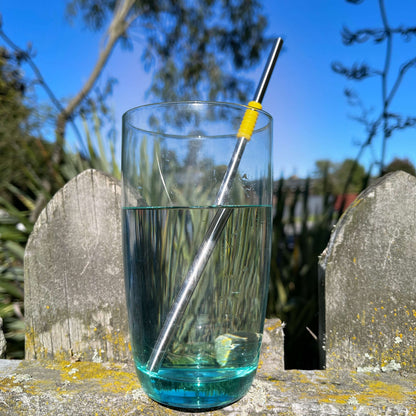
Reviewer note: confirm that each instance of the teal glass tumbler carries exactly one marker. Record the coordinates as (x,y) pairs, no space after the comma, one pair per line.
(174,158)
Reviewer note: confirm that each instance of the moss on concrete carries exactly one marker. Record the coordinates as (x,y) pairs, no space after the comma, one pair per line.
(46,388)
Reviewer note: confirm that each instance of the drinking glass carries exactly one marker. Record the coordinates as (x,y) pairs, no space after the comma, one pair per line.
(174,157)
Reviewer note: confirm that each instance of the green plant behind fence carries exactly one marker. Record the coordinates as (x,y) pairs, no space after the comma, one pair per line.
(293,293)
(13,236)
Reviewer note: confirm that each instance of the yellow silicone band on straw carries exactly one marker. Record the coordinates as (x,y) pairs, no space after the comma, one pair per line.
(249,121)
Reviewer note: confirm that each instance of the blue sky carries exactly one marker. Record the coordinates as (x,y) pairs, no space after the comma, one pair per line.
(312,120)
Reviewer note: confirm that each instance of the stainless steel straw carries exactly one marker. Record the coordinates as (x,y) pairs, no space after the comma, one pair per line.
(218,222)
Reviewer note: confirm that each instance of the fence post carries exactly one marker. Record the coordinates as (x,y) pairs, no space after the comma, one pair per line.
(74,287)
(368,281)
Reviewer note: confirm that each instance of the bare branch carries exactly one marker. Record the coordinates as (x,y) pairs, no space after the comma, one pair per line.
(362,35)
(385,74)
(357,71)
(406,32)
(404,68)
(400,123)
(386,121)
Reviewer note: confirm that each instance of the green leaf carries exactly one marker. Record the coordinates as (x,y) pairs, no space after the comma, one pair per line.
(16,249)
(12,289)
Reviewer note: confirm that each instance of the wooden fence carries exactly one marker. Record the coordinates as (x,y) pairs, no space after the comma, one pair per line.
(78,360)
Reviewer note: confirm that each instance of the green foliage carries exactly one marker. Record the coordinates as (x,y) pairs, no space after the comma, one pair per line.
(401,164)
(299,238)
(196,49)
(349,177)
(21,153)
(338,178)
(13,235)
(94,12)
(22,156)
(293,292)
(100,153)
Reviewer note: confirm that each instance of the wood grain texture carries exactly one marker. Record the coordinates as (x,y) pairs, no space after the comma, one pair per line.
(74,285)
(368,281)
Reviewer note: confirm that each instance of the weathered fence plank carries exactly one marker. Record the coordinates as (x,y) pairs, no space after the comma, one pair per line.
(369,280)
(74,287)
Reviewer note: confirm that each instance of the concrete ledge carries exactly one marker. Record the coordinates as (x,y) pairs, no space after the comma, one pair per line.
(82,388)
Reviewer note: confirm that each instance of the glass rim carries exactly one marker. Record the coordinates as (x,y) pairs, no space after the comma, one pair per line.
(244,107)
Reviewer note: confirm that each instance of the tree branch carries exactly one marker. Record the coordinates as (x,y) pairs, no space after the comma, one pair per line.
(116,29)
(387,61)
(404,68)
(25,56)
(386,122)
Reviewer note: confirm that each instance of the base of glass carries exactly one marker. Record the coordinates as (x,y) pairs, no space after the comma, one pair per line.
(186,388)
